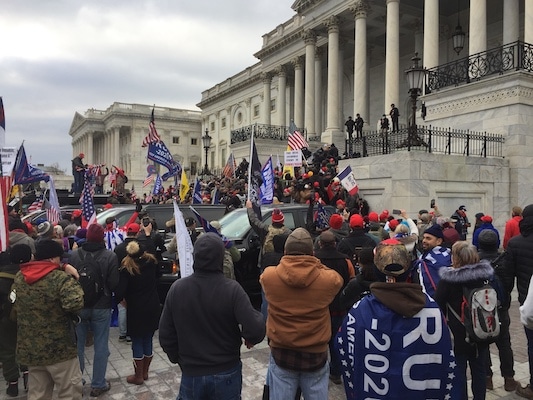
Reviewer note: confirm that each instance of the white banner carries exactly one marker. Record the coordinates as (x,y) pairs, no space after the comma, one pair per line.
(185,247)
(293,158)
(9,155)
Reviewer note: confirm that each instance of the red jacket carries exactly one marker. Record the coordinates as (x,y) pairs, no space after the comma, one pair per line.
(511,229)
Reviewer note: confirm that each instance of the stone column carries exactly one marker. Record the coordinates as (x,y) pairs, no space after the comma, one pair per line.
(310,42)
(90,149)
(478,26)
(360,105)
(511,21)
(266,78)
(332,123)
(116,147)
(298,92)
(431,34)
(282,95)
(392,56)
(318,91)
(528,22)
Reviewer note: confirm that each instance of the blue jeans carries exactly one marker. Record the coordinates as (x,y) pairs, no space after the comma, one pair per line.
(222,386)
(283,383)
(529,336)
(142,346)
(478,367)
(98,320)
(122,322)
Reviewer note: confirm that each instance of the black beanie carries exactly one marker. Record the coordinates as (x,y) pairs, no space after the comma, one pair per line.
(528,211)
(488,240)
(20,253)
(47,248)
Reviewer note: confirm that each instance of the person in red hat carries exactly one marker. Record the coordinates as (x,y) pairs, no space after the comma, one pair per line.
(357,239)
(486,223)
(78,171)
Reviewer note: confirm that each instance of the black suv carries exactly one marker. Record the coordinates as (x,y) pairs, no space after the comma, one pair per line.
(235,226)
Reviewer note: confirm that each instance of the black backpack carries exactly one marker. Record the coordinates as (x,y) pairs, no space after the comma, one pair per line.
(90,279)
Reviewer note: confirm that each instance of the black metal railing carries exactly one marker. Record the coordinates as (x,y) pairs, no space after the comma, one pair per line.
(262,131)
(510,57)
(426,138)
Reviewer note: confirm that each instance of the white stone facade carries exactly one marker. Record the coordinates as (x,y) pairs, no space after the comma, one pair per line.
(114,137)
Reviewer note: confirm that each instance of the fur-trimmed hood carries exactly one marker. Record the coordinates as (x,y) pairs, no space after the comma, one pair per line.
(467,273)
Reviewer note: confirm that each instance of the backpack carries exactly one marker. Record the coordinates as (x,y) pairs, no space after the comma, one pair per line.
(90,279)
(479,314)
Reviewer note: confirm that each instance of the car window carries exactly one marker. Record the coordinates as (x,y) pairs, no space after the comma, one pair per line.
(235,224)
(289,220)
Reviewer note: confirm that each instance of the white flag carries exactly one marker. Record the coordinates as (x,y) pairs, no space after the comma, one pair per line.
(185,247)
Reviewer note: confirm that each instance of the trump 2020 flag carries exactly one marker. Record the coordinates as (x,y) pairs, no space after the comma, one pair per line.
(197,195)
(267,187)
(255,179)
(158,185)
(348,181)
(185,247)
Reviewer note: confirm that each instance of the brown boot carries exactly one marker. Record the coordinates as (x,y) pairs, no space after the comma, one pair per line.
(147,361)
(509,384)
(137,379)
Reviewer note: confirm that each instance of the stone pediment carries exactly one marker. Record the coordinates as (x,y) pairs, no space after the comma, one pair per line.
(77,121)
(299,6)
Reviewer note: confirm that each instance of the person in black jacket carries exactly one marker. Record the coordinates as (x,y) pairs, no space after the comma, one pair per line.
(466,272)
(488,250)
(139,273)
(205,318)
(518,263)
(357,239)
(331,258)
(359,287)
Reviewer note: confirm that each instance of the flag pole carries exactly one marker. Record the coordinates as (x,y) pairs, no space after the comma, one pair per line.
(250,163)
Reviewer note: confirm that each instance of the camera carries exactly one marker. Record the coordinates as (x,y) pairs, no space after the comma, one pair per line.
(146,221)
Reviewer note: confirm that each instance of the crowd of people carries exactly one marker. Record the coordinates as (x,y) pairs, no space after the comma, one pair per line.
(355,301)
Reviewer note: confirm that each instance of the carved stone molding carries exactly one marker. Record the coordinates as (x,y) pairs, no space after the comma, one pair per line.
(281,71)
(309,36)
(332,24)
(360,9)
(266,77)
(297,62)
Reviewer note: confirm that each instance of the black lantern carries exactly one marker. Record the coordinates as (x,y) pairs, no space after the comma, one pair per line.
(458,38)
(206,140)
(415,79)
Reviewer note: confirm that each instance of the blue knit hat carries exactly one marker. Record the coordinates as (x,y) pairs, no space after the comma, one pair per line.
(435,230)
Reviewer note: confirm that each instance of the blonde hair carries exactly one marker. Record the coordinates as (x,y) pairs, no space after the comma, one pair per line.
(464,253)
(401,228)
(134,255)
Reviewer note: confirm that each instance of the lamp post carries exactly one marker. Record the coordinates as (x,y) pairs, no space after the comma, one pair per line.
(206,140)
(458,38)
(415,80)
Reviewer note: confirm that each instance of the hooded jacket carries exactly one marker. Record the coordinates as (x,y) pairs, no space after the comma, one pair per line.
(299,291)
(47,298)
(206,315)
(450,291)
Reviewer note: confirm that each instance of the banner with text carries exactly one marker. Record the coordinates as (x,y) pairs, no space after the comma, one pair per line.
(293,158)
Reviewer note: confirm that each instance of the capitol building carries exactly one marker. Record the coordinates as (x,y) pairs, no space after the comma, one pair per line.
(464,132)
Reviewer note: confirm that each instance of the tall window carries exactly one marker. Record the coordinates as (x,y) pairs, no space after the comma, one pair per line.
(175,140)
(223,122)
(194,141)
(194,167)
(212,126)
(256,110)
(273,105)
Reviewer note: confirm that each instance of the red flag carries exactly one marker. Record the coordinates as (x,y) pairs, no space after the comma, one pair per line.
(5,186)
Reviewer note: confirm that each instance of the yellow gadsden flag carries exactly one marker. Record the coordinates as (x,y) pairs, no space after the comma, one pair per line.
(184,185)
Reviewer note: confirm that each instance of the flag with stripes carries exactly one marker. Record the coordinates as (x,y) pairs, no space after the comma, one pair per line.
(322,217)
(207,227)
(149,179)
(296,140)
(37,204)
(152,136)
(133,194)
(231,166)
(87,202)
(197,195)
(52,207)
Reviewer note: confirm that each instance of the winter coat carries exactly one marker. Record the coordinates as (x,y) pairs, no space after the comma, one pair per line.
(485,225)
(450,292)
(356,238)
(108,263)
(48,299)
(518,264)
(299,291)
(140,293)
(206,316)
(512,229)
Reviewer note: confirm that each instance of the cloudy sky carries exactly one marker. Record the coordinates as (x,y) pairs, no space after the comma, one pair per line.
(63,56)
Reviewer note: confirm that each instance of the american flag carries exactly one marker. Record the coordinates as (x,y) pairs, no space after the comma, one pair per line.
(231,166)
(149,179)
(152,136)
(36,205)
(296,140)
(87,203)
(133,194)
(52,207)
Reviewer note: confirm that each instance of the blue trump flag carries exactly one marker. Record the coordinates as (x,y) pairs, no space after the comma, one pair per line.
(197,196)
(322,217)
(267,187)
(207,227)
(25,173)
(158,185)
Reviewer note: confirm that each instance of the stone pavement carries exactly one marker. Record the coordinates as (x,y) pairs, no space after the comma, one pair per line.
(165,377)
